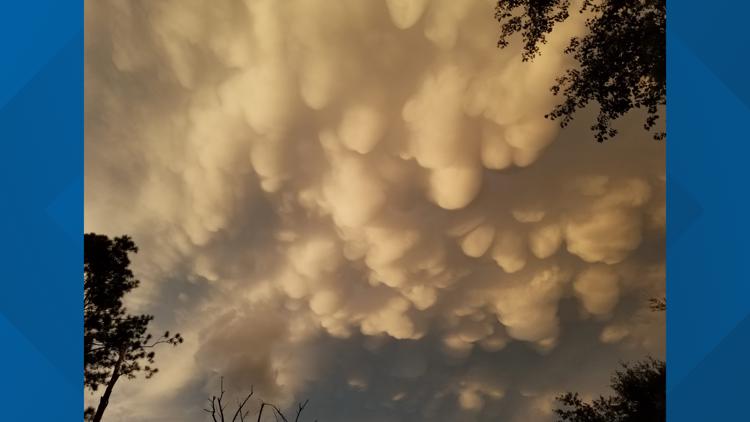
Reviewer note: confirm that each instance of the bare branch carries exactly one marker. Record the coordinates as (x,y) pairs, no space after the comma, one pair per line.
(276,409)
(212,411)
(260,411)
(217,407)
(221,396)
(301,408)
(242,405)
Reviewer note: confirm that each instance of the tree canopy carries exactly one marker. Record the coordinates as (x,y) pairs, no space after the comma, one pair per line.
(621,59)
(116,344)
(639,396)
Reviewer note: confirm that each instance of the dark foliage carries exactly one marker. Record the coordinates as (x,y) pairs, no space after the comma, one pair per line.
(640,396)
(116,344)
(622,58)
(658,304)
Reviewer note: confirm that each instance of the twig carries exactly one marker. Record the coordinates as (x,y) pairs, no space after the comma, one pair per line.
(241,405)
(301,408)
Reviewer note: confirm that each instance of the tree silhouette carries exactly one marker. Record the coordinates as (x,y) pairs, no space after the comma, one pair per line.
(640,392)
(640,396)
(621,59)
(116,344)
(217,406)
(658,304)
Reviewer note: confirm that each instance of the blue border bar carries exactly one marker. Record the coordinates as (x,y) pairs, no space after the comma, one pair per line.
(708,171)
(41,181)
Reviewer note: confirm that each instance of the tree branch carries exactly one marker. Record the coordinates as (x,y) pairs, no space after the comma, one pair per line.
(301,408)
(241,405)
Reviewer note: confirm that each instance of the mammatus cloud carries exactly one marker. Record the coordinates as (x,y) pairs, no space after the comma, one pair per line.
(362,202)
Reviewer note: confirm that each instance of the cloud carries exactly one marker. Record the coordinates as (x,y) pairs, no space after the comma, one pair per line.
(598,289)
(362,202)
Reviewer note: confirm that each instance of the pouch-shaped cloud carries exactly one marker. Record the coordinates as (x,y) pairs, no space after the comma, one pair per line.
(597,287)
(610,226)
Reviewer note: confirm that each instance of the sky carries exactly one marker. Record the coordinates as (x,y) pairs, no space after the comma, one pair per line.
(361,203)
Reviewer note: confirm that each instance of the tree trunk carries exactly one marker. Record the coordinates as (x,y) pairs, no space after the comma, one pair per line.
(104,401)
